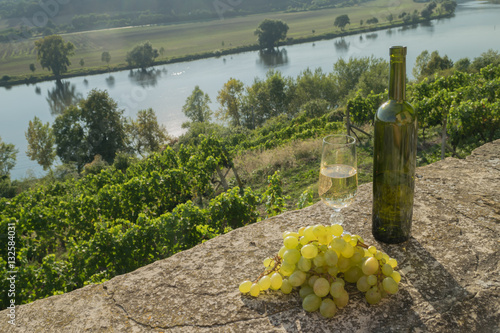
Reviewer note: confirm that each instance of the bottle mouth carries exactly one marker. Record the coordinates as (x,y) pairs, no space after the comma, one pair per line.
(397,51)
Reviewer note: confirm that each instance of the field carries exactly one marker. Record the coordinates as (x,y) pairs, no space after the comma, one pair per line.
(191,38)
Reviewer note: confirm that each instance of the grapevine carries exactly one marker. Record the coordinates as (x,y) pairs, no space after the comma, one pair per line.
(319,260)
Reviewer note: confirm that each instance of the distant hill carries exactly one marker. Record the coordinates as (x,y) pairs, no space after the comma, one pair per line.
(92,14)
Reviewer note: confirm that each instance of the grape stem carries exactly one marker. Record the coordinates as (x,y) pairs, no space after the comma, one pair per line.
(276,267)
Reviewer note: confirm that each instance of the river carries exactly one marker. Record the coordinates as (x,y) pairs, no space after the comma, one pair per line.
(165,88)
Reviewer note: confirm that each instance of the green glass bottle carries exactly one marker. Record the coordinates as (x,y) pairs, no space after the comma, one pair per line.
(394,158)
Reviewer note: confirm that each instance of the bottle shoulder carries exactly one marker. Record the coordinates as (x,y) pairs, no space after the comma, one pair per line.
(396,112)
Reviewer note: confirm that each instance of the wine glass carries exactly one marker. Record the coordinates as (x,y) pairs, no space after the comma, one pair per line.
(338,176)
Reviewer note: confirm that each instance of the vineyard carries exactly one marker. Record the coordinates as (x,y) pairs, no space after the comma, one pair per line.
(87,230)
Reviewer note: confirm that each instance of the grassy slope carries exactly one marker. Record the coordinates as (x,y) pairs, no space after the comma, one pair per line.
(190,38)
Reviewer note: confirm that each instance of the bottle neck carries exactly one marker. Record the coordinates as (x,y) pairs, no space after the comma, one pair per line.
(397,79)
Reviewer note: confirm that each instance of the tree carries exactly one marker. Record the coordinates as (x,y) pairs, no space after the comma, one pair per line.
(41,142)
(230,100)
(94,127)
(142,56)
(341,21)
(82,62)
(106,57)
(147,135)
(196,107)
(8,154)
(426,65)
(53,54)
(32,68)
(270,32)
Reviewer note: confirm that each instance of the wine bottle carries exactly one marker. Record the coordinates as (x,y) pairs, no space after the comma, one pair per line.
(394,158)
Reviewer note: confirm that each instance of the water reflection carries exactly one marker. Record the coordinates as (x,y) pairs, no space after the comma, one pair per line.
(38,90)
(372,36)
(273,58)
(145,78)
(110,81)
(63,95)
(341,46)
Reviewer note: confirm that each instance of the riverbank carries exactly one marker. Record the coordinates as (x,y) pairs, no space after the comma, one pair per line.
(9,81)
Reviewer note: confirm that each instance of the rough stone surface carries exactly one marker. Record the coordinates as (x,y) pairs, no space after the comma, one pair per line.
(450,272)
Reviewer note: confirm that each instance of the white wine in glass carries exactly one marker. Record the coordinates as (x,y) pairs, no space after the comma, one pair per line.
(338,176)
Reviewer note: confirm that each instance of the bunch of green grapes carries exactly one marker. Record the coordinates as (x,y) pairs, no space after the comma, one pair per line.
(320,260)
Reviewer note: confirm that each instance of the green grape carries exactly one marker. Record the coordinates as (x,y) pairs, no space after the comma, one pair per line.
(390,286)
(312,279)
(245,286)
(387,270)
(276,281)
(363,284)
(331,258)
(282,251)
(311,303)
(333,271)
(325,239)
(353,274)
(291,256)
(338,244)
(336,289)
(309,251)
(372,249)
(297,278)
(347,238)
(321,287)
(328,308)
(373,296)
(341,281)
(268,262)
(290,233)
(255,290)
(309,234)
(342,300)
(287,269)
(353,242)
(336,230)
(264,282)
(304,240)
(305,290)
(343,264)
(286,287)
(320,270)
(291,242)
(393,262)
(319,230)
(396,276)
(304,264)
(301,231)
(385,257)
(347,251)
(356,258)
(319,260)
(370,266)
(378,255)
(372,280)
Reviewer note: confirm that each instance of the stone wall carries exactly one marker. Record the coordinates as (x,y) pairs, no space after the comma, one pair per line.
(450,272)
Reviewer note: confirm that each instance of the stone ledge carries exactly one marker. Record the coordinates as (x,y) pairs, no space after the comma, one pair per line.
(450,272)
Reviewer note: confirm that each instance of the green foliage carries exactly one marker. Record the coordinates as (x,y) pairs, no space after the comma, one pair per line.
(53,54)
(341,21)
(305,199)
(270,32)
(8,154)
(41,142)
(196,107)
(146,135)
(114,220)
(142,56)
(94,127)
(273,197)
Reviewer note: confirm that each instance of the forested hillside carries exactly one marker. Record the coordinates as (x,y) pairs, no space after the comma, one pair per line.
(111,219)
(82,14)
